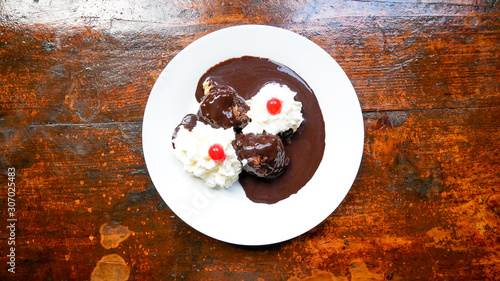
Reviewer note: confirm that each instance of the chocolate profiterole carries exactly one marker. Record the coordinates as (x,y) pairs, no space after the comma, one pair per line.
(262,155)
(222,107)
(247,75)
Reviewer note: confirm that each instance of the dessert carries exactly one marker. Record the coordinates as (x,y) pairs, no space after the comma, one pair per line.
(222,107)
(207,153)
(269,117)
(262,155)
(247,75)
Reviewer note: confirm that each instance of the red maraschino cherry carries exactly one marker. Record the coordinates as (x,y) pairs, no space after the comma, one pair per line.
(216,152)
(273,106)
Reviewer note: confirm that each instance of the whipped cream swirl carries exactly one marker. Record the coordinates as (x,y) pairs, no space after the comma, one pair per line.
(290,116)
(192,149)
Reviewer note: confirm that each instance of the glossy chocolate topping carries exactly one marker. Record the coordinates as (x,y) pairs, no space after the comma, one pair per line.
(263,154)
(222,107)
(188,122)
(247,75)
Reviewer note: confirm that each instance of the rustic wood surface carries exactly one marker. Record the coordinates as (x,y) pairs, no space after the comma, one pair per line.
(74,80)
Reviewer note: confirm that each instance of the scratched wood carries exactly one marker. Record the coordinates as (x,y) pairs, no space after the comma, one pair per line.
(74,81)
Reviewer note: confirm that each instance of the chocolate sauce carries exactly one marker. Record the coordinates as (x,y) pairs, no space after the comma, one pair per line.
(305,148)
(188,122)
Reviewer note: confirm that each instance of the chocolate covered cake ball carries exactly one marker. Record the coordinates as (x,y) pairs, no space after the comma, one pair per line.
(222,107)
(262,155)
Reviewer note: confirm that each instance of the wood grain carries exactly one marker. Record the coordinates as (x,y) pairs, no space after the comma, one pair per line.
(74,82)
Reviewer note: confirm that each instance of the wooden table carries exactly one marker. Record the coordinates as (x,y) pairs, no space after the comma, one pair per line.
(75,77)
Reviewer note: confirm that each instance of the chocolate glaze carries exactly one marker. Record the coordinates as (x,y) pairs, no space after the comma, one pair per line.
(305,150)
(264,154)
(222,107)
(188,122)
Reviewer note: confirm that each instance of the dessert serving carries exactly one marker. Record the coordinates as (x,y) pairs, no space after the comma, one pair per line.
(299,169)
(257,122)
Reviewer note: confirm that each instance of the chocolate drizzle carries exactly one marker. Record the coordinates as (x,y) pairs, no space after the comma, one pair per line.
(188,122)
(247,75)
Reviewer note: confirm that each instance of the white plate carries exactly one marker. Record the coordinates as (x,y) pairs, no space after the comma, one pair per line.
(228,215)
